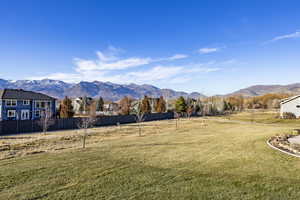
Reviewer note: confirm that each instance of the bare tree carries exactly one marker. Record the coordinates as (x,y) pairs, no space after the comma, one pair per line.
(85,123)
(46,120)
(139,118)
(176,117)
(190,111)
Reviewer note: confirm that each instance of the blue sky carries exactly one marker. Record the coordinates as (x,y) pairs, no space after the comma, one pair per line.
(214,47)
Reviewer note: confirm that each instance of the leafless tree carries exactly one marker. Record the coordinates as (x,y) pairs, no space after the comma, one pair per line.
(139,118)
(85,123)
(176,117)
(119,125)
(46,120)
(190,111)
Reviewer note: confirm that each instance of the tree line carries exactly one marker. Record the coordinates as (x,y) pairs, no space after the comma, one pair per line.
(185,106)
(127,106)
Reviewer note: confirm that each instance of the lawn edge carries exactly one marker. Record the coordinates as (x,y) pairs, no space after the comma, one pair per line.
(286,152)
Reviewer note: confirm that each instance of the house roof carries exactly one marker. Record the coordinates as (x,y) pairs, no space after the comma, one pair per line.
(283,101)
(23,94)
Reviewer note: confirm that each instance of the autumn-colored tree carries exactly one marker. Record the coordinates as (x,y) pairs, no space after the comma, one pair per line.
(125,105)
(145,106)
(66,108)
(92,109)
(266,101)
(236,103)
(161,105)
(180,105)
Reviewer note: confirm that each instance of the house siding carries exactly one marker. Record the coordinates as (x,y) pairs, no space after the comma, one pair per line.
(20,106)
(291,106)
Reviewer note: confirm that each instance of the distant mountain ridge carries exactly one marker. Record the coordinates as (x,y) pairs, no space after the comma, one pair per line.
(258,90)
(109,91)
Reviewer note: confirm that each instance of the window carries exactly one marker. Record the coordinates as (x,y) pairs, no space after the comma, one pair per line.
(38,104)
(42,104)
(11,102)
(26,102)
(11,113)
(37,113)
(24,114)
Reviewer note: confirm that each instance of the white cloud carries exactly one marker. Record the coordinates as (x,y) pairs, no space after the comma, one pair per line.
(288,36)
(208,50)
(151,76)
(109,60)
(87,65)
(204,69)
(154,74)
(283,37)
(178,80)
(110,67)
(177,56)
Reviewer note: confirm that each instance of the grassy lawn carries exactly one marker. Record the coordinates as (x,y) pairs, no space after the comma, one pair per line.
(267,117)
(224,160)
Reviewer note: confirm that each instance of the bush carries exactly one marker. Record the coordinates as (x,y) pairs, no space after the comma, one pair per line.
(288,115)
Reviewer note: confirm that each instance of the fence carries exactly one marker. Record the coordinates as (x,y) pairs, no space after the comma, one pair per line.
(27,126)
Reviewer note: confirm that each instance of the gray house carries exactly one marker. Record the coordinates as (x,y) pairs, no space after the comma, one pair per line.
(17,104)
(291,105)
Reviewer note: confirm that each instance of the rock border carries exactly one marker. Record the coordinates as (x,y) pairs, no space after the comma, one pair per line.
(281,150)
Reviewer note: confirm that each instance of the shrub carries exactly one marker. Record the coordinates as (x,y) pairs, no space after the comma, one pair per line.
(288,115)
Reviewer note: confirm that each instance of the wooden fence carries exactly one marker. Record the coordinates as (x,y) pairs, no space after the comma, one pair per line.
(29,126)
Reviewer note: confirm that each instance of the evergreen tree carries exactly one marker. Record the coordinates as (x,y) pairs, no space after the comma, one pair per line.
(161,105)
(145,106)
(180,105)
(66,108)
(81,107)
(100,104)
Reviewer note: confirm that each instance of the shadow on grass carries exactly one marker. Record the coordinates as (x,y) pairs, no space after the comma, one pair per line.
(13,138)
(157,144)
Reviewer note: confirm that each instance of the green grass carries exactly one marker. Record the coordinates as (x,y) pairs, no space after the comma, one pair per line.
(225,160)
(266,117)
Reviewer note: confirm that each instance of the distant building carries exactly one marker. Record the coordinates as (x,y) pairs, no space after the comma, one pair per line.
(110,108)
(170,104)
(81,104)
(17,104)
(291,105)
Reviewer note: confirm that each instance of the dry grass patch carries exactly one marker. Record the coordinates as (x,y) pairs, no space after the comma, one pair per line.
(224,160)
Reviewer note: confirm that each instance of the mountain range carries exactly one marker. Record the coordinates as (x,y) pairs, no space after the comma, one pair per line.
(107,90)
(114,92)
(258,90)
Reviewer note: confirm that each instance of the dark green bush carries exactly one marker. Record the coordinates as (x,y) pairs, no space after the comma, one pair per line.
(288,115)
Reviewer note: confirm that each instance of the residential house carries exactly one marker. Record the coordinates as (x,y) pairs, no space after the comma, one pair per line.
(17,104)
(110,108)
(81,104)
(290,105)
